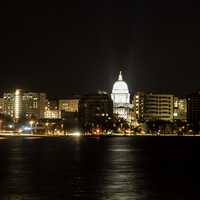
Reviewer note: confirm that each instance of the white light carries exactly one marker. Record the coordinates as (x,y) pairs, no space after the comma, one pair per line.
(76,134)
(175,114)
(20,130)
(10,126)
(26,128)
(17,92)
(31,123)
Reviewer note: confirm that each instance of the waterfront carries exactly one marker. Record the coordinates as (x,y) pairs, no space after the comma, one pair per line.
(56,168)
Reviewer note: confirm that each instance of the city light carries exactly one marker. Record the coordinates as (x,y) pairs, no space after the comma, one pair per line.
(31,122)
(76,134)
(17,104)
(26,128)
(10,126)
(97,130)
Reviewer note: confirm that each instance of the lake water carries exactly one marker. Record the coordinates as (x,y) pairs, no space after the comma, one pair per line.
(135,168)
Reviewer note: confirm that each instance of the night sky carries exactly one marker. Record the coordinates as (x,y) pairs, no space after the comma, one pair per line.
(80,46)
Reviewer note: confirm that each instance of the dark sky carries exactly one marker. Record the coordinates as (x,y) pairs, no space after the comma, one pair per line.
(80,46)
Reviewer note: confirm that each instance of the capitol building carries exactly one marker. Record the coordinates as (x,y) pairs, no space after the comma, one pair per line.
(121,98)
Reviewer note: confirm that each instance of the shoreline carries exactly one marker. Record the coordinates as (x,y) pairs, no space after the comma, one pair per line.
(95,136)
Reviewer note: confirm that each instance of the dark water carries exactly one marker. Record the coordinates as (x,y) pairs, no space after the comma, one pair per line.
(143,168)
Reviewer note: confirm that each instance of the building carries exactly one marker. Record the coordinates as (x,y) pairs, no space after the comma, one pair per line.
(33,105)
(149,106)
(121,98)
(69,112)
(69,105)
(52,110)
(180,109)
(193,109)
(52,114)
(8,104)
(18,105)
(1,104)
(52,105)
(94,107)
(13,104)
(24,105)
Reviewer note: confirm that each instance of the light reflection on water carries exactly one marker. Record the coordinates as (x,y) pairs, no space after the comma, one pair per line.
(122,150)
(32,138)
(104,169)
(3,138)
(121,179)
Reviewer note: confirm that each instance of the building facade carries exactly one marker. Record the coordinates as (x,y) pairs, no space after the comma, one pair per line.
(93,107)
(8,104)
(34,104)
(121,98)
(70,113)
(26,105)
(193,109)
(180,109)
(69,105)
(52,114)
(148,106)
(52,105)
(1,104)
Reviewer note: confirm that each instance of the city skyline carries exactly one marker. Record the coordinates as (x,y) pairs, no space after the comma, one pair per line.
(99,99)
(79,48)
(107,91)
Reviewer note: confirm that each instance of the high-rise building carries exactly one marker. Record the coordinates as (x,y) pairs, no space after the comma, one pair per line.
(26,105)
(193,109)
(121,98)
(34,104)
(8,104)
(18,109)
(148,106)
(92,107)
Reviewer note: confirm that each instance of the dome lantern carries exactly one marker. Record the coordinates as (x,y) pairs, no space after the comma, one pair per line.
(120,78)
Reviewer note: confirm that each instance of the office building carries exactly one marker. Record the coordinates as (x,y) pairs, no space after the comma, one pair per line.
(24,105)
(69,105)
(8,104)
(52,105)
(149,106)
(52,114)
(180,109)
(93,107)
(193,109)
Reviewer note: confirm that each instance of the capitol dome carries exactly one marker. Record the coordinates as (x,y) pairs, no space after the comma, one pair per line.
(120,92)
(120,86)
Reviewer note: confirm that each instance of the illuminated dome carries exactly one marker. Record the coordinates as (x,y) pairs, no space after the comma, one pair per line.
(120,86)
(120,92)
